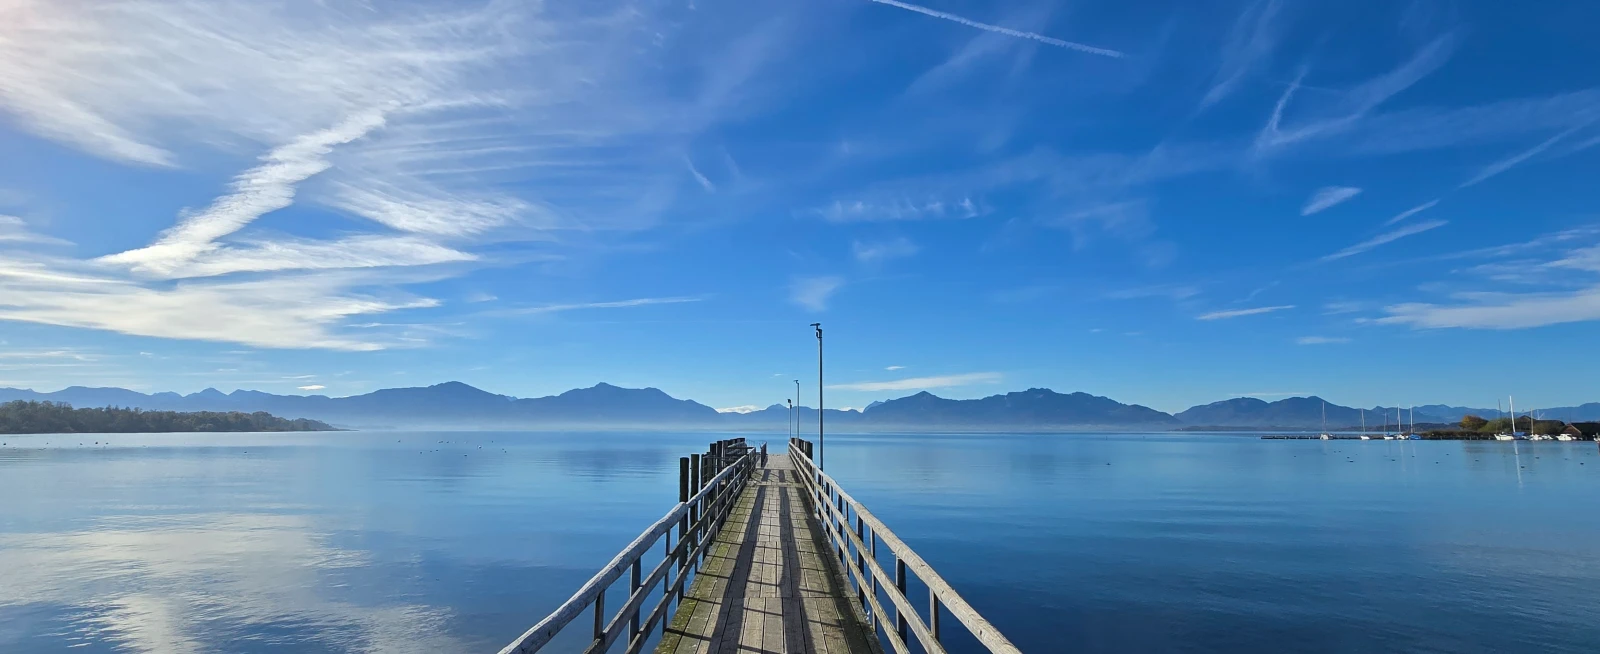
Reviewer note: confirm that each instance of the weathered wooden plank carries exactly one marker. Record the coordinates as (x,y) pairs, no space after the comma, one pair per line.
(769,584)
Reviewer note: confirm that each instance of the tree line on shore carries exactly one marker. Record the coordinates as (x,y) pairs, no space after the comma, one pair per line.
(26,417)
(1478,428)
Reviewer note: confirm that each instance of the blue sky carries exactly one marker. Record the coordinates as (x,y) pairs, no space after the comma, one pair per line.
(1167,203)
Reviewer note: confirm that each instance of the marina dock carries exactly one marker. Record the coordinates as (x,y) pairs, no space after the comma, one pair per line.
(770,556)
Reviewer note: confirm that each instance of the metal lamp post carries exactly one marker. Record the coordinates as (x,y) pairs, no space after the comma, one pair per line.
(822,448)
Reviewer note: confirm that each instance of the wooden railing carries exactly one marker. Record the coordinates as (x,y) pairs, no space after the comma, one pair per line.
(857,551)
(697,517)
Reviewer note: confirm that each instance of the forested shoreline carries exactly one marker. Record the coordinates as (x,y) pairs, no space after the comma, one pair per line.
(27,417)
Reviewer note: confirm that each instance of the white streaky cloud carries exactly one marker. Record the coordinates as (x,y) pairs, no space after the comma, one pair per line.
(1587,259)
(1239,313)
(301,311)
(1386,237)
(1321,340)
(898,208)
(367,251)
(813,293)
(882,251)
(1104,52)
(923,383)
(741,409)
(698,176)
(46,354)
(1499,311)
(1512,161)
(311,387)
(123,80)
(1173,292)
(1327,197)
(1250,43)
(618,304)
(454,125)
(1355,104)
(435,212)
(1411,212)
(260,190)
(15,230)
(894,368)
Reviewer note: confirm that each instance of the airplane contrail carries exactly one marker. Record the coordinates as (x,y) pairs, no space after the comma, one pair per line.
(1104,52)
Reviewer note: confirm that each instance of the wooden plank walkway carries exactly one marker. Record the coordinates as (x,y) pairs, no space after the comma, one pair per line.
(770,584)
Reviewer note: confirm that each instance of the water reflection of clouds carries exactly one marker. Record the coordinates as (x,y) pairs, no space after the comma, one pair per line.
(186,583)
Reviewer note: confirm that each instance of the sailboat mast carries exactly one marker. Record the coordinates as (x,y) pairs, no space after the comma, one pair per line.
(1513,401)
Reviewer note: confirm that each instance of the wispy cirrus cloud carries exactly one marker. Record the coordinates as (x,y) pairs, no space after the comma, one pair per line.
(898,208)
(417,136)
(1411,212)
(813,293)
(1562,269)
(15,230)
(1345,110)
(1239,313)
(1514,160)
(883,250)
(1328,197)
(1498,311)
(923,383)
(705,183)
(616,304)
(1248,47)
(260,190)
(1321,340)
(311,387)
(894,368)
(1104,52)
(1386,237)
(1169,291)
(291,311)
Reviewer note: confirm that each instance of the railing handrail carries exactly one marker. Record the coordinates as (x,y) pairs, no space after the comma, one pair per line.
(981,628)
(540,634)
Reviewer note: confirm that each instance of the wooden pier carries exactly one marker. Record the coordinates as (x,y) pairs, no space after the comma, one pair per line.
(769,583)
(770,557)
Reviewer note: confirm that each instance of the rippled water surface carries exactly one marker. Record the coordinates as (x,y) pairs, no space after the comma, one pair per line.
(428,542)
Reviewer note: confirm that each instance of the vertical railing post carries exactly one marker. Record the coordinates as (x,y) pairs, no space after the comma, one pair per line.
(871,578)
(633,588)
(600,616)
(900,583)
(666,585)
(839,527)
(683,525)
(695,528)
(933,614)
(861,566)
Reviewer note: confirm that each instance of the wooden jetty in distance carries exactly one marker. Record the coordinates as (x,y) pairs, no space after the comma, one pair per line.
(770,556)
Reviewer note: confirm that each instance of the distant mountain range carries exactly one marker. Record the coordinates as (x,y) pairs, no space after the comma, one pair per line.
(457,405)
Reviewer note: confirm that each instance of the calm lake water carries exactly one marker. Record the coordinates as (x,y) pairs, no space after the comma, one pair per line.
(434,542)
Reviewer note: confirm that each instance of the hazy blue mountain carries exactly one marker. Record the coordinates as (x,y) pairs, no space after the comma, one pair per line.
(604,403)
(1293,412)
(1033,408)
(1455,413)
(458,405)
(775,418)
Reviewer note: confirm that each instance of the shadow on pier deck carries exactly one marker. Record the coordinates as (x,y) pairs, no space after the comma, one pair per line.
(769,585)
